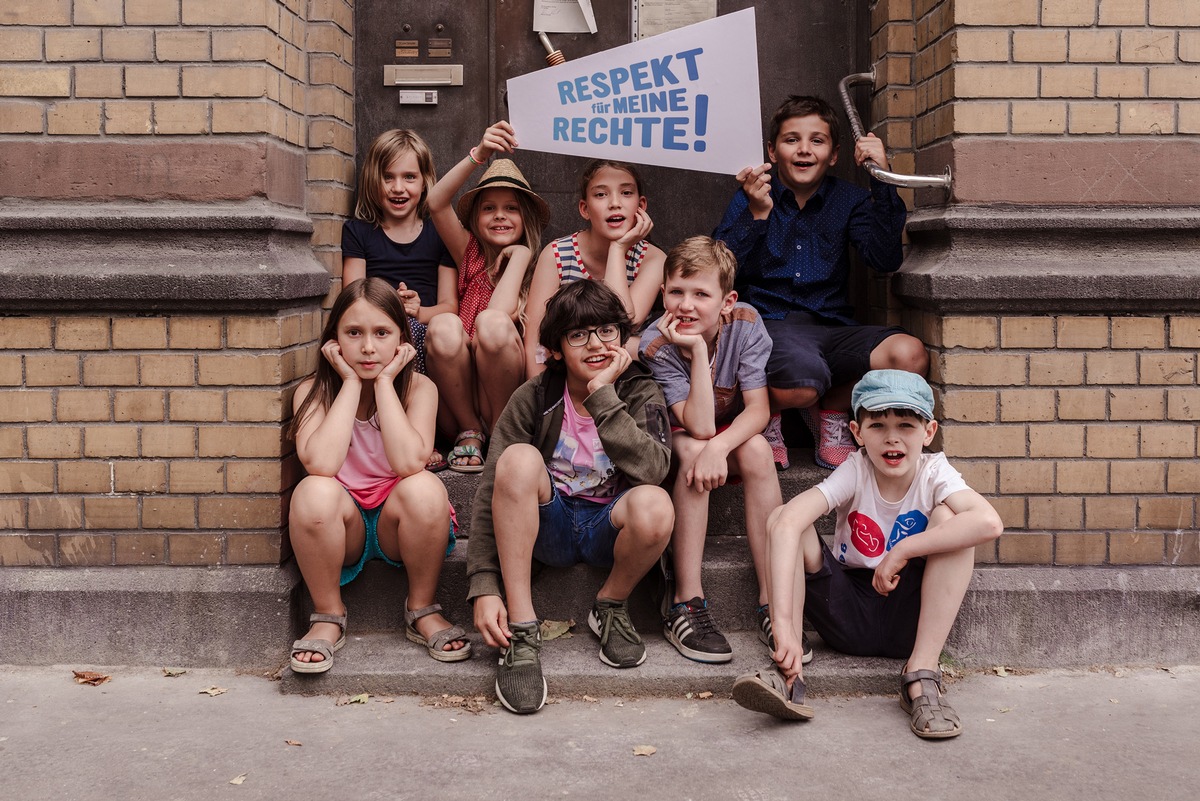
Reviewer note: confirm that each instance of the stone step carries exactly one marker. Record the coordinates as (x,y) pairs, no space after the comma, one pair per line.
(388,665)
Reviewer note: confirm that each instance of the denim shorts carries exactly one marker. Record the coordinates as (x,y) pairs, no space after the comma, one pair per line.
(808,352)
(573,530)
(371,549)
(851,617)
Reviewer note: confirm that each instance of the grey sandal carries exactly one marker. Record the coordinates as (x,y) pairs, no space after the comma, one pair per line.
(930,717)
(766,691)
(435,644)
(766,635)
(323,647)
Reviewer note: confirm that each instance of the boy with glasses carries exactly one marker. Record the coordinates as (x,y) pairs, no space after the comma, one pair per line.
(576,459)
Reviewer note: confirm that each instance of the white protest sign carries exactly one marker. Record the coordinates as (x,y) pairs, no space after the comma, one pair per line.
(687,98)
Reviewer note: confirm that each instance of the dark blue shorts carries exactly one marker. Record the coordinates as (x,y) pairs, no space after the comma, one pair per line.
(809,352)
(573,530)
(851,617)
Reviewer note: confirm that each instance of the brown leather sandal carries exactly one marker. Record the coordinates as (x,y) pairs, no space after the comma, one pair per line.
(930,717)
(436,644)
(323,647)
(766,691)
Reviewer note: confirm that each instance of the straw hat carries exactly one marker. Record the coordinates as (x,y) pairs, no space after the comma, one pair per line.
(503,174)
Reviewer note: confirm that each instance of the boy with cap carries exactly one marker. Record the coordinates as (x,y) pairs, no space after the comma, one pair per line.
(903,552)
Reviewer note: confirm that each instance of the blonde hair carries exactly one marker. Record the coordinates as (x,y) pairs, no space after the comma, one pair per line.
(531,223)
(383,151)
(699,254)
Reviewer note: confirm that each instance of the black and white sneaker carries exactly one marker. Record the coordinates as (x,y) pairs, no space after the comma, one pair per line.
(690,628)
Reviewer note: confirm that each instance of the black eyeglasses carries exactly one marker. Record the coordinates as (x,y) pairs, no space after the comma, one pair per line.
(578,337)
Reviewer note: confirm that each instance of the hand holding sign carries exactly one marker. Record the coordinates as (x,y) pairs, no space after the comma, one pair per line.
(687,98)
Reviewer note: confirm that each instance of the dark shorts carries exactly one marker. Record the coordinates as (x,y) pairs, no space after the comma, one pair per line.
(809,352)
(573,530)
(851,617)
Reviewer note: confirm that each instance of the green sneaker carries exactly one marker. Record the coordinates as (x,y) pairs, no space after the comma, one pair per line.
(520,685)
(620,644)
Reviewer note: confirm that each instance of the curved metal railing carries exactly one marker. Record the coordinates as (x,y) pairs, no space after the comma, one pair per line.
(856,126)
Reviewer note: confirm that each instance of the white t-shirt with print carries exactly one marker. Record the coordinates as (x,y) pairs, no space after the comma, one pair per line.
(868,525)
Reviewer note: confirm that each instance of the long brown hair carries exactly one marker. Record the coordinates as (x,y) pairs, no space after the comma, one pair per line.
(326,381)
(383,151)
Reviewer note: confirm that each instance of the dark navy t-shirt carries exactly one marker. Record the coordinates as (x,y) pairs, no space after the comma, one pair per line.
(415,264)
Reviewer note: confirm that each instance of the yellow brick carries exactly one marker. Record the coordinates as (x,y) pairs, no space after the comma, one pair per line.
(99,81)
(996,12)
(1167,441)
(1056,369)
(63,514)
(1189,46)
(151,12)
(1175,12)
(1086,477)
(168,513)
(1168,368)
(1018,405)
(86,477)
(25,406)
(247,46)
(1121,82)
(107,370)
(1168,513)
(1039,118)
(978,117)
(182,45)
(82,333)
(140,476)
(261,476)
(1094,46)
(34,81)
(1189,118)
(224,81)
(200,333)
(1043,46)
(1076,548)
(180,117)
(242,370)
(1183,404)
(197,406)
(51,370)
(239,512)
(254,548)
(128,44)
(253,332)
(1083,332)
(174,370)
(23,333)
(1185,332)
(98,12)
(79,118)
(53,442)
(194,477)
(18,117)
(1182,477)
(1082,404)
(1011,511)
(28,477)
(131,117)
(1092,118)
(1068,12)
(1135,548)
(1021,477)
(230,12)
(155,80)
(241,441)
(139,548)
(120,512)
(984,369)
(969,407)
(12,443)
(1147,118)
(255,406)
(140,333)
(1112,441)
(141,405)
(1138,332)
(1109,513)
(1136,404)
(168,441)
(1056,513)
(1026,549)
(1122,12)
(108,441)
(1111,368)
(83,404)
(10,370)
(73,44)
(1026,332)
(1175,82)
(965,441)
(1069,81)
(1139,476)
(1056,440)
(195,549)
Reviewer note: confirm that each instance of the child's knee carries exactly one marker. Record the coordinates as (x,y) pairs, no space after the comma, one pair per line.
(754,457)
(444,336)
(422,495)
(905,352)
(494,331)
(315,499)
(650,513)
(518,466)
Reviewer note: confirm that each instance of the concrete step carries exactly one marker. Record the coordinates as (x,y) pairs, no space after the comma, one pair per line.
(387,664)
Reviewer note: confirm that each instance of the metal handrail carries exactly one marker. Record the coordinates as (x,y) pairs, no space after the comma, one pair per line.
(856,127)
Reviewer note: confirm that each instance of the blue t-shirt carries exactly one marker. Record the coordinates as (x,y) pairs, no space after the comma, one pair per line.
(415,263)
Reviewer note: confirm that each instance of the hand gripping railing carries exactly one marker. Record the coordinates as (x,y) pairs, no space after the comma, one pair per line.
(894,178)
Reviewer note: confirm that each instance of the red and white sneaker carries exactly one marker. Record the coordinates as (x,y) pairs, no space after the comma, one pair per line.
(774,436)
(835,443)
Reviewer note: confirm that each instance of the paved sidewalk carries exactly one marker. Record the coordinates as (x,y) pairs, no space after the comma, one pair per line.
(1124,734)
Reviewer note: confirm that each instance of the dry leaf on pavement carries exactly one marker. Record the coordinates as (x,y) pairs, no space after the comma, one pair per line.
(213,691)
(90,677)
(553,629)
(293,742)
(238,779)
(644,750)
(171,673)
(1000,670)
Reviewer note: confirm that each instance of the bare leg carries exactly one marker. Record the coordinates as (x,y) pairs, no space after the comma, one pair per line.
(691,522)
(499,361)
(521,485)
(414,528)
(448,362)
(810,561)
(644,517)
(947,576)
(326,532)
(760,489)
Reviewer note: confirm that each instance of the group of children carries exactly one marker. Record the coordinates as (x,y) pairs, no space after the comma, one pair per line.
(609,429)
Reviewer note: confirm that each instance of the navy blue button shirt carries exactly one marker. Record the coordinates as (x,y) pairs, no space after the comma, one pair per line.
(797,260)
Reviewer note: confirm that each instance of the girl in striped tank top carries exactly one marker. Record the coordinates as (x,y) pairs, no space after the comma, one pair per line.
(614,249)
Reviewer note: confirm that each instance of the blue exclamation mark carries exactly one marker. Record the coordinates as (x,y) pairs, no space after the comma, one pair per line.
(701,122)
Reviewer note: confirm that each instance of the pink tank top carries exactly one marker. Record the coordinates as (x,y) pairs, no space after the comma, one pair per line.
(366,473)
